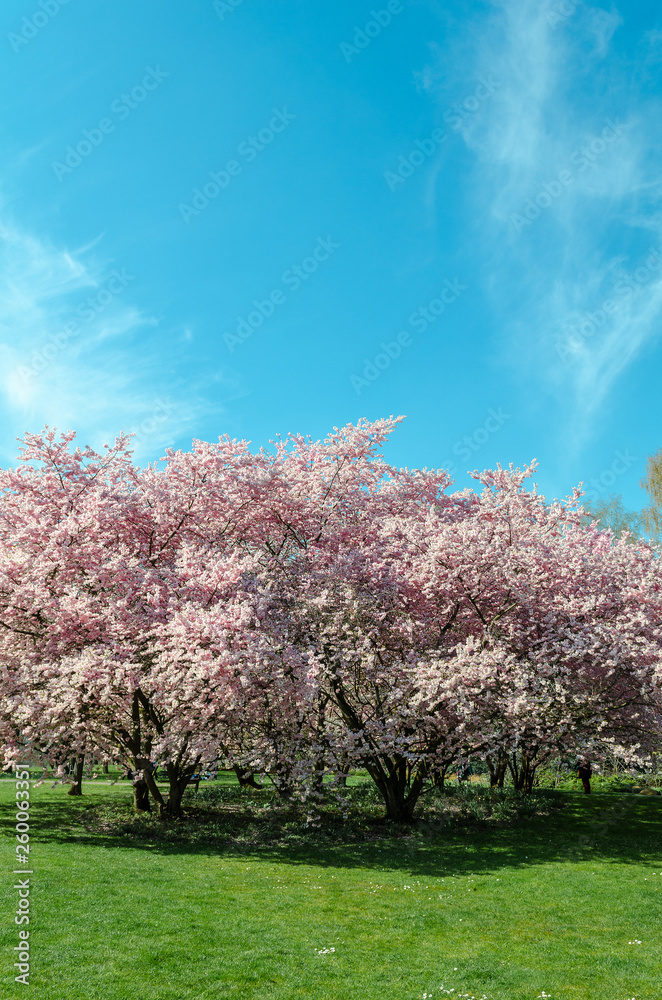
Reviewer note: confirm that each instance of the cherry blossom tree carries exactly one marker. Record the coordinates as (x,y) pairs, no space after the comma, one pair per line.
(447,625)
(309,607)
(72,599)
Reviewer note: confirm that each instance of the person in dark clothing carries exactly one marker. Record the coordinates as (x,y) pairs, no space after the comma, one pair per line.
(584,773)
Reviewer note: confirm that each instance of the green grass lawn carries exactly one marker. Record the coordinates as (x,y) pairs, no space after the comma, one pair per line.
(546,906)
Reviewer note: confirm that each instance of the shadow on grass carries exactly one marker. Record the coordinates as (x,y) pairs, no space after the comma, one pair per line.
(605,827)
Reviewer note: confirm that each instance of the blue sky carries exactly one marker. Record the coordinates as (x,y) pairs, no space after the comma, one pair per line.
(262,216)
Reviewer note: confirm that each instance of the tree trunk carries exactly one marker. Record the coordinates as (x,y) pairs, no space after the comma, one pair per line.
(282,782)
(397,807)
(523,770)
(392,776)
(341,775)
(141,796)
(245,777)
(516,771)
(77,786)
(175,796)
(318,776)
(439,777)
(399,788)
(147,768)
(178,779)
(497,768)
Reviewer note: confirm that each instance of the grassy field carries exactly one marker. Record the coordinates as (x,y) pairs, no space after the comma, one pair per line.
(544,907)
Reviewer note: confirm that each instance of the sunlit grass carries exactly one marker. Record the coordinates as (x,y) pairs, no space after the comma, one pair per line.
(547,905)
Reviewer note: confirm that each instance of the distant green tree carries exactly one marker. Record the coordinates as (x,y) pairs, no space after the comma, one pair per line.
(652,483)
(612,513)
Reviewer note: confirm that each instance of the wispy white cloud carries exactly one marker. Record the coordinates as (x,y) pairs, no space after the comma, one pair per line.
(561,81)
(77,352)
